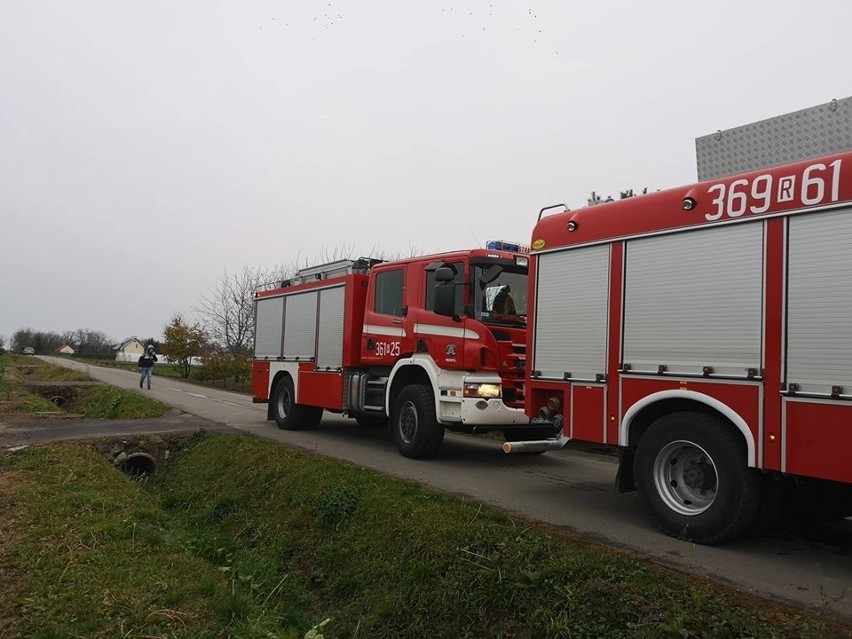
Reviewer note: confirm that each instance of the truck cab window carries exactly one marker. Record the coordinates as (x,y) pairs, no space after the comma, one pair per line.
(458,267)
(502,299)
(389,287)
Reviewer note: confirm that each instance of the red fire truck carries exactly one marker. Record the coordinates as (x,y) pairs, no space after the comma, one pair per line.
(361,338)
(705,332)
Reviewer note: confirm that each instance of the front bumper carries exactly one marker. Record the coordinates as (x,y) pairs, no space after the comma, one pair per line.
(478,411)
(471,412)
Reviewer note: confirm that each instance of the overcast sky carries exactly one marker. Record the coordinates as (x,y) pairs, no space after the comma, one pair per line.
(146,147)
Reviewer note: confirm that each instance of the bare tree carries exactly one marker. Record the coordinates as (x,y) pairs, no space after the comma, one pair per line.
(227,310)
(21,338)
(88,341)
(44,342)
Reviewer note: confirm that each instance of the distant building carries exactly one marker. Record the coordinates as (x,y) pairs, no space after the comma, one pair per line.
(129,350)
(65,350)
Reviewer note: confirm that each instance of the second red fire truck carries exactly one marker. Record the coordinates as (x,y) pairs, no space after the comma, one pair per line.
(361,338)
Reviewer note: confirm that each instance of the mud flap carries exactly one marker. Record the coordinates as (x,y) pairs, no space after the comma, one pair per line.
(624,477)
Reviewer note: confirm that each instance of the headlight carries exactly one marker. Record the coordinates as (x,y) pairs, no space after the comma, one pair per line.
(483,390)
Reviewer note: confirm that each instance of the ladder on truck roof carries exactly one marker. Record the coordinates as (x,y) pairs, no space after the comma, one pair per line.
(361,266)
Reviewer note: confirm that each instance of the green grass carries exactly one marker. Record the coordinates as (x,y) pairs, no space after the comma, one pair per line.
(15,399)
(34,369)
(52,373)
(242,538)
(89,553)
(109,402)
(29,403)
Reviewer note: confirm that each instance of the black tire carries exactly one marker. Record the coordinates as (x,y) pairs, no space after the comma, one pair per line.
(692,476)
(371,421)
(414,425)
(287,413)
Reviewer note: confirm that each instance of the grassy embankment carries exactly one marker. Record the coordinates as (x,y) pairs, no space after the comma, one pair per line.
(91,402)
(240,537)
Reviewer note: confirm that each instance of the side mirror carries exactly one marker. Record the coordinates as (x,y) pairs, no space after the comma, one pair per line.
(445,299)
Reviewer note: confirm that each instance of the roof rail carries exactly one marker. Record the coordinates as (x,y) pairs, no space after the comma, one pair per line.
(337,268)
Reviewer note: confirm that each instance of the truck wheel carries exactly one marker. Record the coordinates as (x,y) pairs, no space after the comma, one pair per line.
(414,425)
(371,421)
(692,476)
(287,413)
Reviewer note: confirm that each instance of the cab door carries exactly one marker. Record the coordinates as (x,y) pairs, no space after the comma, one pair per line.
(440,336)
(385,336)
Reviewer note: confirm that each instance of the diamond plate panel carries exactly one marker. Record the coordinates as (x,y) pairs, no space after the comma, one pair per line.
(809,133)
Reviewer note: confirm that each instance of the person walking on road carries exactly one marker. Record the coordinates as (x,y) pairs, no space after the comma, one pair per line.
(146,365)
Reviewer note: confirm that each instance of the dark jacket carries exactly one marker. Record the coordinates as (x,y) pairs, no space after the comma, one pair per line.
(147,361)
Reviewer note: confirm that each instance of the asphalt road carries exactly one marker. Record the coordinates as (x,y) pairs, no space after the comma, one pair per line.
(568,489)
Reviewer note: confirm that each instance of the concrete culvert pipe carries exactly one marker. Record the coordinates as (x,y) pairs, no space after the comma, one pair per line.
(58,401)
(139,465)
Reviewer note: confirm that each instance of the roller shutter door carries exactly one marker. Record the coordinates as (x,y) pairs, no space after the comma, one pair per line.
(300,326)
(571,313)
(330,339)
(694,299)
(269,314)
(819,309)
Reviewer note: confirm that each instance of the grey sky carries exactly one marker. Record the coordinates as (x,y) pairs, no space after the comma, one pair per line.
(145,147)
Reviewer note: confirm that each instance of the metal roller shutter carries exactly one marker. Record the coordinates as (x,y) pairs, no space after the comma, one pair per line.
(269,314)
(571,313)
(300,326)
(819,307)
(695,299)
(330,340)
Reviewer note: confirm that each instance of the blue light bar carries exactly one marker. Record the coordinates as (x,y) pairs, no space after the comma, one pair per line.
(500,245)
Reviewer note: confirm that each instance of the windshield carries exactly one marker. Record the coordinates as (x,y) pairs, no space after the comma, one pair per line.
(502,300)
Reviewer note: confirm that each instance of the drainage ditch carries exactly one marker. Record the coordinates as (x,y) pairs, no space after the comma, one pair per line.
(143,455)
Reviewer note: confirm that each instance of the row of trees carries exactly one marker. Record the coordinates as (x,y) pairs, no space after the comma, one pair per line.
(83,340)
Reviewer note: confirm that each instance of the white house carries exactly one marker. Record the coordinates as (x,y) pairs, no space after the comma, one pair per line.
(129,350)
(65,350)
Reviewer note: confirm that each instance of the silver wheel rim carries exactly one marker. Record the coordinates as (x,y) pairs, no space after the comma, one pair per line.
(686,478)
(283,403)
(407,422)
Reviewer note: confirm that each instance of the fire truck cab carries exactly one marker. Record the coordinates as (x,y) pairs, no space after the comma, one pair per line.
(363,338)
